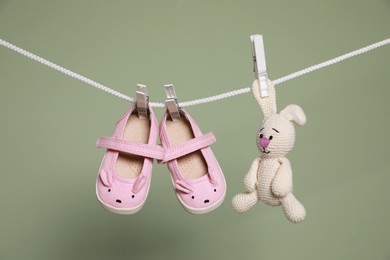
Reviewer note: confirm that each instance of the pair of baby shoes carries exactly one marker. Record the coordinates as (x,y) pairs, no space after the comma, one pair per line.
(126,171)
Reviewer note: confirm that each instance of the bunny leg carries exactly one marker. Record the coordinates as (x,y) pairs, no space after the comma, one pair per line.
(293,209)
(244,201)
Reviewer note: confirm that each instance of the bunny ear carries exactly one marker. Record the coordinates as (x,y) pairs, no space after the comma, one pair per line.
(183,187)
(139,183)
(106,178)
(267,104)
(294,113)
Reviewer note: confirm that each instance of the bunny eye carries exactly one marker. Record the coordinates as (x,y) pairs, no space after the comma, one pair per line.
(109,190)
(270,137)
(193,197)
(261,135)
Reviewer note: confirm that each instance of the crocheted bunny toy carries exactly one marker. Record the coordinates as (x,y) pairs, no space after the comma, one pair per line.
(270,176)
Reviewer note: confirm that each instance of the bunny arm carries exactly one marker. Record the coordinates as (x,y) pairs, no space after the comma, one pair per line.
(282,182)
(250,179)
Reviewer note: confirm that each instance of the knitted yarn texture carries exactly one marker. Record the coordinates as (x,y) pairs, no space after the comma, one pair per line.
(270,176)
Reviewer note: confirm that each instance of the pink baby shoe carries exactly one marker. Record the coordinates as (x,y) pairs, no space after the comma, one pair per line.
(196,175)
(126,170)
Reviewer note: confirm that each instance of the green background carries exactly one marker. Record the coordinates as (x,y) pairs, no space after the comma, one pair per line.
(50,122)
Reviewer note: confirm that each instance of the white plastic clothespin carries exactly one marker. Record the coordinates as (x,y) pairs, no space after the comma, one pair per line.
(171,102)
(259,64)
(142,101)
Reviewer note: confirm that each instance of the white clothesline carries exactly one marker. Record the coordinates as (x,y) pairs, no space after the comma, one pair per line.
(197,101)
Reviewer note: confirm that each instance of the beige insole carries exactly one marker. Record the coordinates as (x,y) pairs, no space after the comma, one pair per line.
(192,165)
(137,130)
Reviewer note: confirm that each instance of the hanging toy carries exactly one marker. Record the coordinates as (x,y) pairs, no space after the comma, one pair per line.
(270,176)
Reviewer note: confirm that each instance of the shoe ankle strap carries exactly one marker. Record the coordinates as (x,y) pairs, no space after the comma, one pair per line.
(188,147)
(157,152)
(145,150)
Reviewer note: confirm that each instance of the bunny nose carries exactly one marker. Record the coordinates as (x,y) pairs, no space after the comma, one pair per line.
(264,142)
